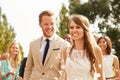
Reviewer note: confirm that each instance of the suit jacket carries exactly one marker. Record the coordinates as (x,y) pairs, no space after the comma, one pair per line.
(22,67)
(35,70)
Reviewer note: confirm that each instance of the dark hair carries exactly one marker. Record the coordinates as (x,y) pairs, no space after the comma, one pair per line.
(109,44)
(47,13)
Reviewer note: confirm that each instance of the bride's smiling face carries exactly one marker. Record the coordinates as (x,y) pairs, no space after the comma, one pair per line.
(76,31)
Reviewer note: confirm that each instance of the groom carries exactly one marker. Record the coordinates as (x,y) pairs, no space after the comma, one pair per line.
(40,66)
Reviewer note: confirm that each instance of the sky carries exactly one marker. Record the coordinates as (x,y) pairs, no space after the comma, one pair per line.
(23,16)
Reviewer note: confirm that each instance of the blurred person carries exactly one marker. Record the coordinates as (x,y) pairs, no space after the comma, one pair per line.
(10,67)
(0,74)
(42,64)
(83,60)
(22,69)
(110,61)
(96,37)
(67,38)
(3,57)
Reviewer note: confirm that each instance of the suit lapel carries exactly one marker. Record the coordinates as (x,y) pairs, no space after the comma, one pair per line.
(52,46)
(38,51)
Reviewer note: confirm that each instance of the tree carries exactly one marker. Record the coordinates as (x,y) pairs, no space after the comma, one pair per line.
(7,33)
(106,13)
(115,6)
(90,9)
(63,24)
(74,6)
(114,34)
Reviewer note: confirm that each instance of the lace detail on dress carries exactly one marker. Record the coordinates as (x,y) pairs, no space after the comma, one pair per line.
(77,66)
(77,56)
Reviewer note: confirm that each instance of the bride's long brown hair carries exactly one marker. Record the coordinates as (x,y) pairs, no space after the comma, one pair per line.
(88,43)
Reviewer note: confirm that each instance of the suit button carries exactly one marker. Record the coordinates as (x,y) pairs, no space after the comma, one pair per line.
(43,73)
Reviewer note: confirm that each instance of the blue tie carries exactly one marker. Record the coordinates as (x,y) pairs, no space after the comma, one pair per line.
(45,51)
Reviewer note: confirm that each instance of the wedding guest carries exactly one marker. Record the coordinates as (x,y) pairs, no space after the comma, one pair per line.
(67,38)
(10,67)
(3,57)
(0,74)
(110,61)
(22,69)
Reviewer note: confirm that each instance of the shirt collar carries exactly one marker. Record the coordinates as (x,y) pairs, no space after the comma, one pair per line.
(50,38)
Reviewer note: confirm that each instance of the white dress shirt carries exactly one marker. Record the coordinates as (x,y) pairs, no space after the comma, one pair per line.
(43,44)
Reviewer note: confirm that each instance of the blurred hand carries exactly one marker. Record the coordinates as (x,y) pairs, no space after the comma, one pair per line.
(20,78)
(10,73)
(4,56)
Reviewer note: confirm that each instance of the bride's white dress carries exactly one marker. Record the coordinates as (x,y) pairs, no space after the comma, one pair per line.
(77,66)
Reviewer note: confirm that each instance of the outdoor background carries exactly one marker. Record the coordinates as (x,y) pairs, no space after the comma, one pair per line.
(19,19)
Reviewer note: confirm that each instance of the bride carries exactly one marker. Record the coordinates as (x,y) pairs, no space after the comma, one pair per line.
(83,60)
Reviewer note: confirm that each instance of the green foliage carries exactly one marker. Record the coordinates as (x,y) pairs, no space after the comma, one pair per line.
(74,5)
(113,19)
(6,33)
(22,51)
(105,12)
(63,25)
(117,49)
(91,9)
(115,6)
(114,34)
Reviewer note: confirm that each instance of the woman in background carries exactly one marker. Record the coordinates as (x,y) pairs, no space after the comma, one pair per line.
(3,57)
(84,58)
(67,38)
(110,61)
(10,67)
(22,69)
(0,74)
